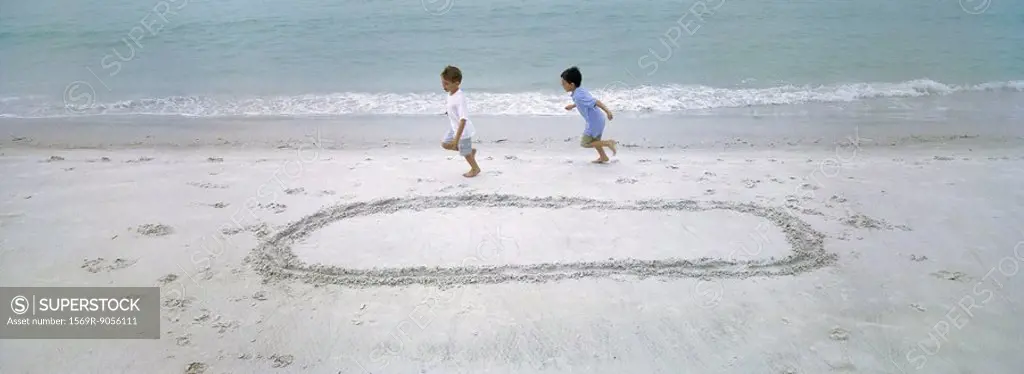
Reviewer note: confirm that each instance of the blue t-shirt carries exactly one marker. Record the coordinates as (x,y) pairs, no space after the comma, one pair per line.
(587,106)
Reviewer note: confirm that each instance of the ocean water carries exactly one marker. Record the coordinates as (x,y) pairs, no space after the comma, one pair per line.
(270,58)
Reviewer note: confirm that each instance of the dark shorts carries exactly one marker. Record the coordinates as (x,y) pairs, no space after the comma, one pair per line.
(585,140)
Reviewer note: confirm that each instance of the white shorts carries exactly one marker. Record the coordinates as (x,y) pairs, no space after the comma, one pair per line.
(465,144)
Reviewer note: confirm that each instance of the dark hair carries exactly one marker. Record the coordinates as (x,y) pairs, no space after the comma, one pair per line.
(573,75)
(452,74)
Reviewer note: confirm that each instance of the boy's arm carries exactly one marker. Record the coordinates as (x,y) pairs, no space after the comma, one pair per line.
(460,111)
(462,126)
(604,108)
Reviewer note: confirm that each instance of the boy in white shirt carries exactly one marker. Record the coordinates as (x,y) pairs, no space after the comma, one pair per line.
(459,137)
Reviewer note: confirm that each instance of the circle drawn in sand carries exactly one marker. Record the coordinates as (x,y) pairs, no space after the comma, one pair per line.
(274,259)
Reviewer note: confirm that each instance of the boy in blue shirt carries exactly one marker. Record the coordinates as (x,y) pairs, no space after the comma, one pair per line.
(588,107)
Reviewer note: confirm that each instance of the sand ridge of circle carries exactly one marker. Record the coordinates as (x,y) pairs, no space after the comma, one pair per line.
(274,259)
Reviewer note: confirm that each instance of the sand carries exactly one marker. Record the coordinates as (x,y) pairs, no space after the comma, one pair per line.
(865,252)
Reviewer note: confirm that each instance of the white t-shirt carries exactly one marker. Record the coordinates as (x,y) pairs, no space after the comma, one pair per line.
(457,111)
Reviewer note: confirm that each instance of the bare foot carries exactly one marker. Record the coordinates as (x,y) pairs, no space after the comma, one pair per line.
(474,170)
(611,145)
(600,160)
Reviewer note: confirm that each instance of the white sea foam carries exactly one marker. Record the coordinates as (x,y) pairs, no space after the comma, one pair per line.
(620,97)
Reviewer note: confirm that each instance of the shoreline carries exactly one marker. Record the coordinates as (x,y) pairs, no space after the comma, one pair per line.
(528,132)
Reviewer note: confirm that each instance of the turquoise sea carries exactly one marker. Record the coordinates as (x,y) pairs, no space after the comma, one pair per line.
(205,58)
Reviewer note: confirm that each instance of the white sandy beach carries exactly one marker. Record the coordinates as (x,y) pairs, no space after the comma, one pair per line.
(890,258)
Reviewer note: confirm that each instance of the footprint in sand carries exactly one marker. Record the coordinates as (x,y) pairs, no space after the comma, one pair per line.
(260,230)
(54,159)
(861,221)
(207,185)
(140,159)
(915,258)
(224,326)
(280,361)
(796,199)
(626,180)
(751,183)
(99,264)
(453,187)
(232,231)
(277,208)
(942,158)
(953,276)
(709,192)
(167,278)
(218,205)
(151,229)
(838,199)
(179,304)
(195,368)
(807,211)
(808,187)
(215,159)
(511,157)
(295,191)
(838,333)
(326,193)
